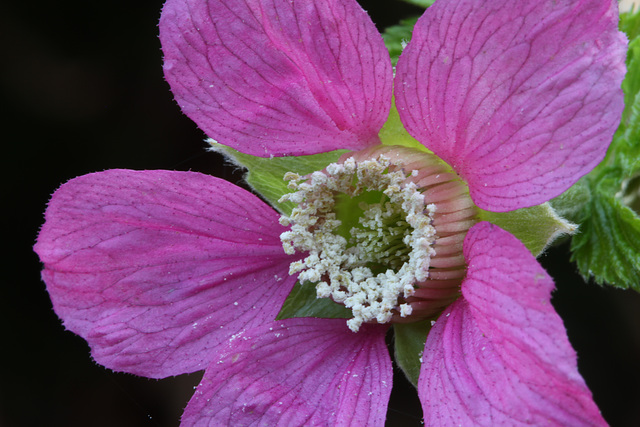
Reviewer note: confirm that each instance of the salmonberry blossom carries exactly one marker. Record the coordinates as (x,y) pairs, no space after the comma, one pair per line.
(165,273)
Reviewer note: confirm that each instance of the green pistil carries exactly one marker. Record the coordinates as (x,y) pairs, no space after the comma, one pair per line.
(349,209)
(382,244)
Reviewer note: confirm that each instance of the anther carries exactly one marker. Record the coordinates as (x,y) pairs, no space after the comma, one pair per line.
(400,259)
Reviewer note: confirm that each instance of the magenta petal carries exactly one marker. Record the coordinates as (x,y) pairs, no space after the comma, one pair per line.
(521,97)
(278,77)
(500,354)
(297,372)
(156,268)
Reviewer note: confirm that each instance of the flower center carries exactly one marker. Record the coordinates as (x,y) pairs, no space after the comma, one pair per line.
(383,242)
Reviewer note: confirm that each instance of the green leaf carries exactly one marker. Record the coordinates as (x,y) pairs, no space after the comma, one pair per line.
(631,82)
(630,194)
(608,245)
(303,302)
(630,24)
(623,155)
(624,152)
(265,174)
(397,36)
(409,345)
(537,227)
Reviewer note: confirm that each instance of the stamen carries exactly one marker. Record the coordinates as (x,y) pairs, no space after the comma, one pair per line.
(386,252)
(383,242)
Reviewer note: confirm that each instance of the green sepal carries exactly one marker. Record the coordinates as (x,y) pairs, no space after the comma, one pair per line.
(572,202)
(265,174)
(608,245)
(409,345)
(537,227)
(303,302)
(394,133)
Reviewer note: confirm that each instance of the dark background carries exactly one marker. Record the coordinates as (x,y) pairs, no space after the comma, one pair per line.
(82,90)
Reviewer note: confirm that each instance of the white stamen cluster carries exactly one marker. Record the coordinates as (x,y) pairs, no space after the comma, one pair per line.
(395,235)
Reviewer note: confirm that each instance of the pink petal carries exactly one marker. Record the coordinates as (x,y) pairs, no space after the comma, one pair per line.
(500,354)
(297,372)
(278,77)
(156,268)
(521,97)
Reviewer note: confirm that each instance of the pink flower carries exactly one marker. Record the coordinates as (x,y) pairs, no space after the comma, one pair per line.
(165,273)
